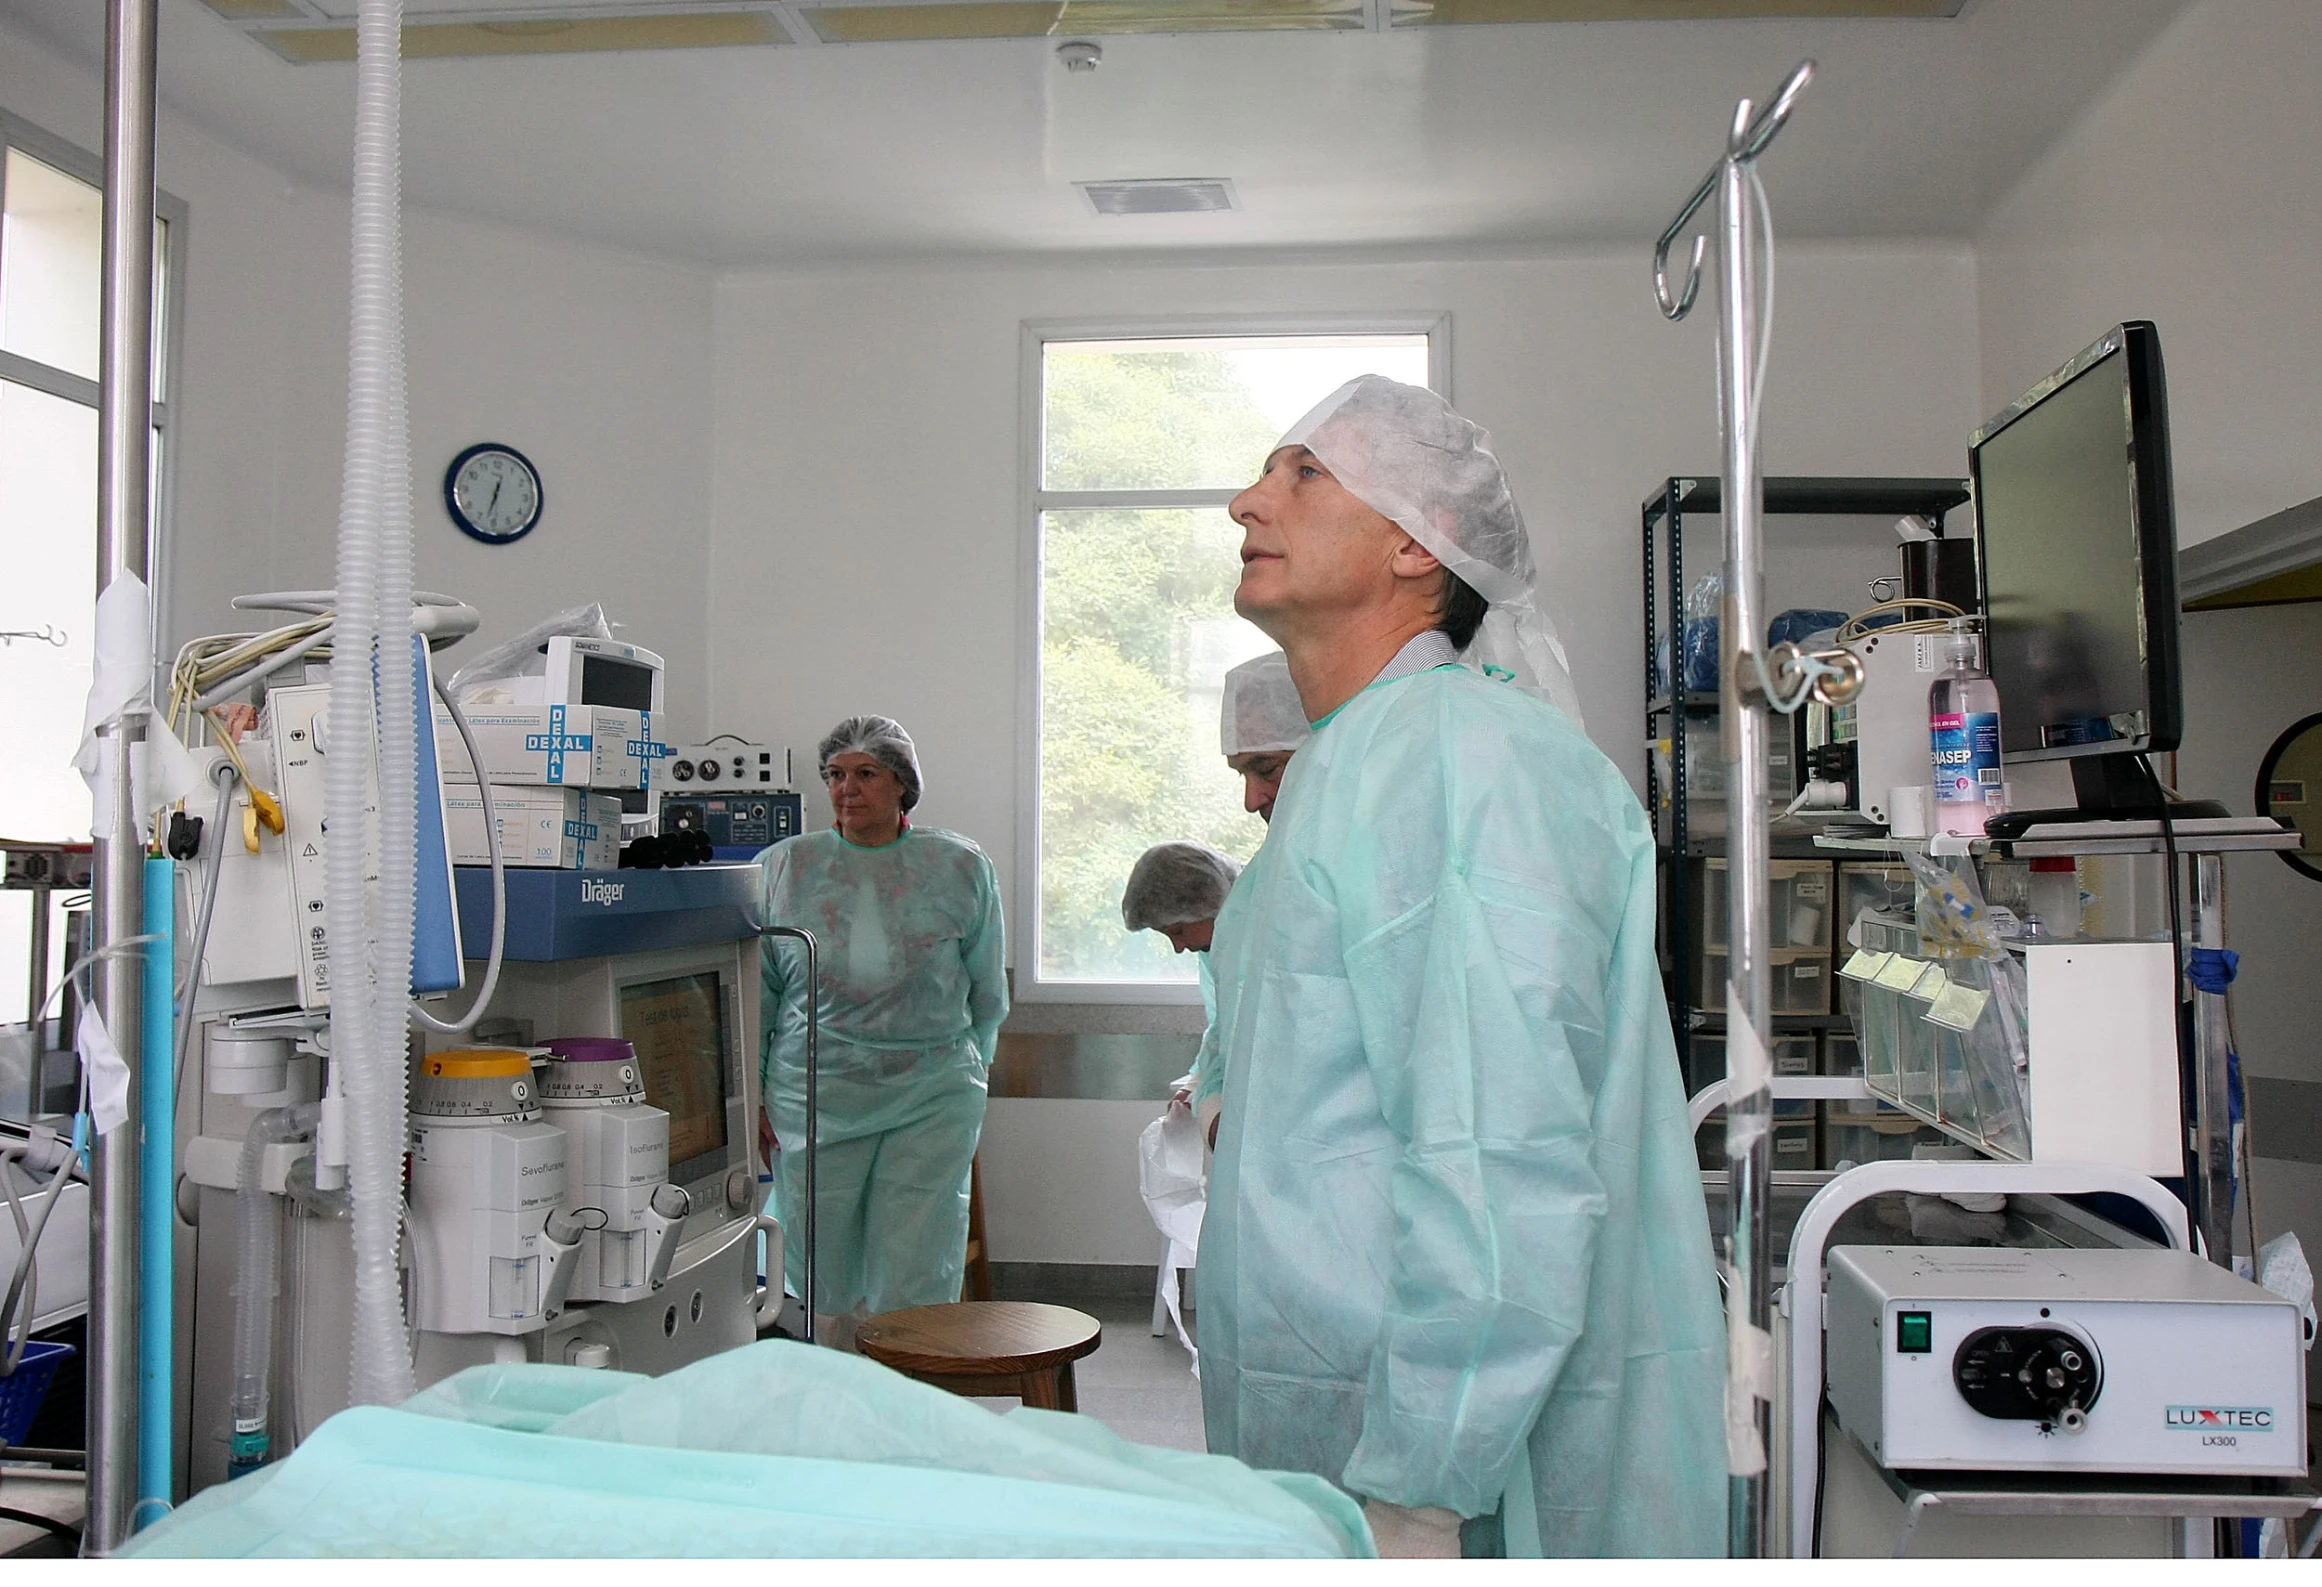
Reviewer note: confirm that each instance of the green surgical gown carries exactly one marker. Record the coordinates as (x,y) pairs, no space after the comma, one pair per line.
(1208,1074)
(913,993)
(1456,1231)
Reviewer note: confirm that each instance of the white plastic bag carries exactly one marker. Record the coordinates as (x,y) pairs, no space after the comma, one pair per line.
(2282,1268)
(520,657)
(1170,1162)
(1169,1177)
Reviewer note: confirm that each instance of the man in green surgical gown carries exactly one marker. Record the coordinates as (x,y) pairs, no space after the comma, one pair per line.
(1456,1257)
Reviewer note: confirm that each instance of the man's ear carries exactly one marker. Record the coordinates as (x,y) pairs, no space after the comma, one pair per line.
(1411,560)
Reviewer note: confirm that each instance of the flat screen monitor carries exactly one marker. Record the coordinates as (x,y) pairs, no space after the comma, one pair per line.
(2076,540)
(582,671)
(681,1028)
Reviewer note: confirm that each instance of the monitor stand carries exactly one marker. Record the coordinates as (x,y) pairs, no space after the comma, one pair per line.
(2109,788)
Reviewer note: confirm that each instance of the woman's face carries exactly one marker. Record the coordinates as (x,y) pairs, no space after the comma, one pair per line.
(865,797)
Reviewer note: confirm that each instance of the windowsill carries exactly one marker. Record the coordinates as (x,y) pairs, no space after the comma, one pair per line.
(1173,1018)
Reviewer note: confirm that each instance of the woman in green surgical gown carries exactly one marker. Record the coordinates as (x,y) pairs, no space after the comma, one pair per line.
(912,996)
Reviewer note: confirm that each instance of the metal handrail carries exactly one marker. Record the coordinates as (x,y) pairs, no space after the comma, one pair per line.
(813,1057)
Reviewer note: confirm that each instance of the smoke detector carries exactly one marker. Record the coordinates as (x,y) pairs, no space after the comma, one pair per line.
(1079,55)
(1161,195)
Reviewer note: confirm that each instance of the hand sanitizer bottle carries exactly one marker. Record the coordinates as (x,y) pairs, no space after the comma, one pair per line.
(1963,727)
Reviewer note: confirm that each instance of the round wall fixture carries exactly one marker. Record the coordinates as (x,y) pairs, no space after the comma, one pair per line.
(2289,785)
(493,493)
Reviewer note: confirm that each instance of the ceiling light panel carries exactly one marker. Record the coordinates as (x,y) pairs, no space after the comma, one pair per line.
(258,10)
(856,22)
(323,30)
(1436,13)
(675,30)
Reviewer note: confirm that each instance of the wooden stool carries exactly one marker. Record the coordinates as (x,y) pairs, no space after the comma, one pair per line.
(987,1348)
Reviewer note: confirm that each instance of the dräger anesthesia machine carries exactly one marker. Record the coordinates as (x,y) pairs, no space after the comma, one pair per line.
(578,1183)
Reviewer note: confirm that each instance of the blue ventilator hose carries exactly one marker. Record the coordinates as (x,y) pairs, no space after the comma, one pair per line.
(156,1195)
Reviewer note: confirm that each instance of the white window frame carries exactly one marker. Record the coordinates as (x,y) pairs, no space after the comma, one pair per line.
(1034,501)
(74,161)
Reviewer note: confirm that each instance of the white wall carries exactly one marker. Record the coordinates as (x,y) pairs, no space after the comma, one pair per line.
(866,550)
(593,364)
(2186,196)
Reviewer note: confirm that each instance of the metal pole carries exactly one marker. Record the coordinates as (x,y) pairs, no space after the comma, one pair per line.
(37,983)
(1743,717)
(124,457)
(813,1076)
(1749,1113)
(2213,1122)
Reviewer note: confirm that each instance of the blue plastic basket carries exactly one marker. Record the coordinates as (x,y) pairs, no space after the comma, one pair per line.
(22,1390)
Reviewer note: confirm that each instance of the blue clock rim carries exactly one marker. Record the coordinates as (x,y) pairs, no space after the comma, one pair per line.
(451,502)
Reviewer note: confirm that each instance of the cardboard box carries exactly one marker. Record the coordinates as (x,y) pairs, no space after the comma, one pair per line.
(551,746)
(566,829)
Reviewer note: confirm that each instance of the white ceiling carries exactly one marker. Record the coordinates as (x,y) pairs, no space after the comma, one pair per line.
(1565,133)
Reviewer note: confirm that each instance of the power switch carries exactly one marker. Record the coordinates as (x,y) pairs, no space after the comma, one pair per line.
(1914,1333)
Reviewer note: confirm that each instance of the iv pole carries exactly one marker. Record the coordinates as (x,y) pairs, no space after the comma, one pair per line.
(124,447)
(1744,706)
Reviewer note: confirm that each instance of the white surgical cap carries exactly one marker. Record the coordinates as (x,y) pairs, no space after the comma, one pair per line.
(1174,883)
(1404,453)
(1261,712)
(883,739)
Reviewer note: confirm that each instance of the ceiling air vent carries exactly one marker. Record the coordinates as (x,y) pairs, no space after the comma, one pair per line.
(1161,195)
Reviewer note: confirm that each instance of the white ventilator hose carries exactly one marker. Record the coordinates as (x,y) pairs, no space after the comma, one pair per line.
(370,939)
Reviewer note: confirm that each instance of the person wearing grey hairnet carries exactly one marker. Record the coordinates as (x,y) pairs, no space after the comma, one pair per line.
(1261,725)
(1455,1258)
(1177,889)
(913,992)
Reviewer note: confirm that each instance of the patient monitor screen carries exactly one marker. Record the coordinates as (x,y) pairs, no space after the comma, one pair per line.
(678,1027)
(609,680)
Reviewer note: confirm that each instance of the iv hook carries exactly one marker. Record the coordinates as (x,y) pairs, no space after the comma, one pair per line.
(1744,143)
(48,634)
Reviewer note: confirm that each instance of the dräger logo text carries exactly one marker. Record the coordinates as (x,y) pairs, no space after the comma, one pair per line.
(596,892)
(2220,1418)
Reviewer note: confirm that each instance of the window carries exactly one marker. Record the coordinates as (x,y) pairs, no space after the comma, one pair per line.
(1141,440)
(50,286)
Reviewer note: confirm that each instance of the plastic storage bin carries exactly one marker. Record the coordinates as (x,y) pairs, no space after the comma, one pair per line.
(1934,1037)
(1796,1120)
(1887,889)
(1798,982)
(1864,1130)
(22,1390)
(1797,904)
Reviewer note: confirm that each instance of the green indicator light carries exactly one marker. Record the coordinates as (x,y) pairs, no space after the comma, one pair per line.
(1914,1333)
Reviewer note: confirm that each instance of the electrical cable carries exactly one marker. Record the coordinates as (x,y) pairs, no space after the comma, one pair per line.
(201,936)
(1764,214)
(24,1281)
(12,1351)
(1821,1471)
(43,1523)
(24,1242)
(491,984)
(1853,628)
(2177,1011)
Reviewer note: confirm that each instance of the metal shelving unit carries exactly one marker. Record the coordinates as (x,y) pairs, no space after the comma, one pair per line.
(1668,706)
